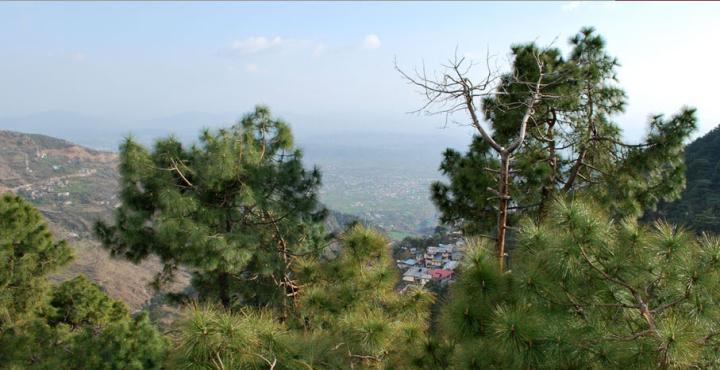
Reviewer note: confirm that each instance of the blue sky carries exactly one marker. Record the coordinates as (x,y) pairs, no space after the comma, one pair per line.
(328,66)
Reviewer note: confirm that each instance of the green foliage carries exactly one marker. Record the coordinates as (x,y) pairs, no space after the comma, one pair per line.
(131,343)
(240,211)
(73,325)
(585,291)
(699,205)
(572,143)
(348,315)
(234,208)
(82,328)
(652,172)
(352,299)
(212,337)
(80,303)
(27,254)
(465,198)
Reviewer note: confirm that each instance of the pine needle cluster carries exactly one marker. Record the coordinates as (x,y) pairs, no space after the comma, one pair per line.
(348,315)
(586,291)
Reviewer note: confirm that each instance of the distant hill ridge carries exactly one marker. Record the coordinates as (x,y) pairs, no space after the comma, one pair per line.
(699,205)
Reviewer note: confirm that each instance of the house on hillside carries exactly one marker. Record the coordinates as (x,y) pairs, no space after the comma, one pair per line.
(441,275)
(438,256)
(417,275)
(451,265)
(410,262)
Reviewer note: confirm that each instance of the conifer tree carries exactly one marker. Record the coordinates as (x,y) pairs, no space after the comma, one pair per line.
(572,144)
(73,325)
(27,253)
(236,208)
(456,90)
(348,317)
(81,328)
(588,292)
(352,299)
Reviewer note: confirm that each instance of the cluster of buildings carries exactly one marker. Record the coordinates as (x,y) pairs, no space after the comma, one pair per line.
(434,263)
(48,190)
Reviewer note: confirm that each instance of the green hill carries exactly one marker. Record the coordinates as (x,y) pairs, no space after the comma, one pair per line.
(699,206)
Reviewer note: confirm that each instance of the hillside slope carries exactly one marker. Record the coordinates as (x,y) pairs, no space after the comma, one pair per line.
(699,206)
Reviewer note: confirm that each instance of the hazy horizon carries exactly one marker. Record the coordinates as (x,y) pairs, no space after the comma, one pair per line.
(327,68)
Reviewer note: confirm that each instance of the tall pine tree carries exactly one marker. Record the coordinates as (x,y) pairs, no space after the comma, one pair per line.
(237,208)
(572,143)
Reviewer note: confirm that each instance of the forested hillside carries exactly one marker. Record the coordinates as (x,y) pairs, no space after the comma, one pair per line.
(699,206)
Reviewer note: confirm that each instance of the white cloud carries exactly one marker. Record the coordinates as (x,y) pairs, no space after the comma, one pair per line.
(256,44)
(371,41)
(571,5)
(251,68)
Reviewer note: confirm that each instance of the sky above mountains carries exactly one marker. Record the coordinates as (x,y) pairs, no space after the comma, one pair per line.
(326,67)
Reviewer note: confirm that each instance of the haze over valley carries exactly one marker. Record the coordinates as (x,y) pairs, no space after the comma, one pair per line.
(383,177)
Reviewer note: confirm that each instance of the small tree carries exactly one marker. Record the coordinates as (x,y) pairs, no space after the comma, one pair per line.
(348,316)
(73,325)
(237,209)
(27,254)
(351,300)
(93,331)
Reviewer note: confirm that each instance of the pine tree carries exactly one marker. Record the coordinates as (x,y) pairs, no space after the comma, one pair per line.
(72,325)
(351,298)
(572,144)
(588,292)
(577,293)
(133,343)
(80,303)
(349,316)
(236,208)
(27,254)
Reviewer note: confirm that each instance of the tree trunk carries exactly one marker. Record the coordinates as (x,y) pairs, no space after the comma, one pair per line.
(549,188)
(503,198)
(224,289)
(592,132)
